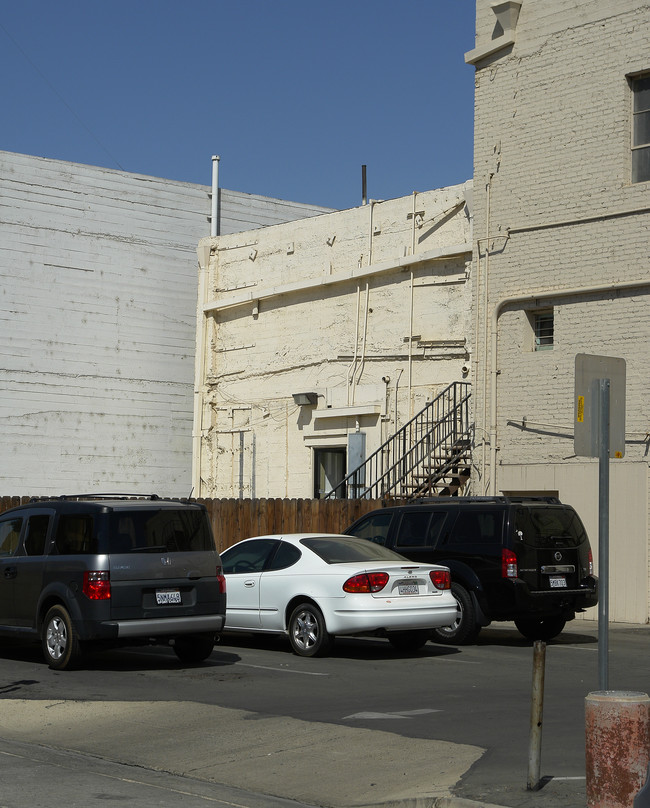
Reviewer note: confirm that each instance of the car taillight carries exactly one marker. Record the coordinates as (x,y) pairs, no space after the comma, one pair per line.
(591,563)
(441,579)
(222,581)
(97,584)
(508,564)
(366,582)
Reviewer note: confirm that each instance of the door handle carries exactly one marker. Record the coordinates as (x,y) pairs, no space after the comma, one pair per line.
(249,584)
(10,572)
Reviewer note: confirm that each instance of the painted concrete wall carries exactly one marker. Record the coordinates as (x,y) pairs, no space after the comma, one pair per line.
(560,226)
(326,305)
(97,331)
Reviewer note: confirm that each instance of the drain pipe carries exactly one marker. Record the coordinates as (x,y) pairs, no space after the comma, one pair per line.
(531,297)
(214,214)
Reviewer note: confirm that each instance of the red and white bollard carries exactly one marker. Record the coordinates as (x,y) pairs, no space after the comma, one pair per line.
(617,725)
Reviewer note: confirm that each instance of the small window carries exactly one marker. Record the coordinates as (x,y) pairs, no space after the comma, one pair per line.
(248,557)
(641,129)
(374,528)
(543,326)
(9,535)
(286,556)
(75,535)
(36,534)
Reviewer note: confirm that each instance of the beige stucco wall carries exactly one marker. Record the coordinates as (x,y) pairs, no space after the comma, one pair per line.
(328,306)
(559,225)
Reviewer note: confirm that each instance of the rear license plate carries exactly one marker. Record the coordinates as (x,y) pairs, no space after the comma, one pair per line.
(557,581)
(408,589)
(165,596)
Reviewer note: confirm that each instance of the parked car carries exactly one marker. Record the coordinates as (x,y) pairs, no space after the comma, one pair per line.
(312,587)
(101,571)
(522,559)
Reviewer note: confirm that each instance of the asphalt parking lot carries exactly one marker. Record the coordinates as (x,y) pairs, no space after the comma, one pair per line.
(256,725)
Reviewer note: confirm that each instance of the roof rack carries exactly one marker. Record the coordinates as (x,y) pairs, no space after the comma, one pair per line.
(102,496)
(486,499)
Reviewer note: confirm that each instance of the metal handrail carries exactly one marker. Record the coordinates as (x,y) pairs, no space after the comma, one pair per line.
(429,445)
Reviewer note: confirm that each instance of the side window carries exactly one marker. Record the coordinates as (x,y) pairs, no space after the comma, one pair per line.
(374,527)
(477,527)
(248,557)
(9,535)
(413,529)
(286,556)
(641,129)
(36,534)
(75,535)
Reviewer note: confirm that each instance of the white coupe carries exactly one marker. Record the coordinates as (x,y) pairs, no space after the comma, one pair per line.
(313,586)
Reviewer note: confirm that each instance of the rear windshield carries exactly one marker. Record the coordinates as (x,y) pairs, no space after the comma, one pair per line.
(338,551)
(549,527)
(164,530)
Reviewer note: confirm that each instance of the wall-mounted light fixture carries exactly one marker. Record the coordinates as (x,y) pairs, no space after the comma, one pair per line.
(303,399)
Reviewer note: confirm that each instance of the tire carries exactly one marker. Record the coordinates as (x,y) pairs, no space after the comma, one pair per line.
(464,630)
(307,631)
(542,628)
(408,641)
(59,639)
(194,647)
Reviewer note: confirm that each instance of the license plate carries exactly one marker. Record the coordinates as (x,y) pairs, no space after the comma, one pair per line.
(165,596)
(557,581)
(408,589)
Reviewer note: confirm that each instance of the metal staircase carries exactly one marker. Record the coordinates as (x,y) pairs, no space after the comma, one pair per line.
(429,456)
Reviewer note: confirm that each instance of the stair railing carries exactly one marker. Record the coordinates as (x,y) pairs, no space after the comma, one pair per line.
(432,439)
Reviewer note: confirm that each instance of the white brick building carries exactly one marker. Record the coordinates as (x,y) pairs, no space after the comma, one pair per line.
(561,258)
(97,323)
(365,310)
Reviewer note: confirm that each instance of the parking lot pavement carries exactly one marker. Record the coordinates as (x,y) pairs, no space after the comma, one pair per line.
(321,764)
(36,776)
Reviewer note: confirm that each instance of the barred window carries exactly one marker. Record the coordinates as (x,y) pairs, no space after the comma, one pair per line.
(543,327)
(641,129)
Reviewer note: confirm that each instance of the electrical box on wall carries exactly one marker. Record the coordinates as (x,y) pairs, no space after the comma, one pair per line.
(356,450)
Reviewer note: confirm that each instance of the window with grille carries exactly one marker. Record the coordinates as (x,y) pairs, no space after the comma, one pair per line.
(543,328)
(641,129)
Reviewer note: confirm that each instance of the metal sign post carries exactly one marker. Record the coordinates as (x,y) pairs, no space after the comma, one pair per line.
(600,432)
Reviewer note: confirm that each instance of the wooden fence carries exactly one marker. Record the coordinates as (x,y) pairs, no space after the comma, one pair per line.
(236,519)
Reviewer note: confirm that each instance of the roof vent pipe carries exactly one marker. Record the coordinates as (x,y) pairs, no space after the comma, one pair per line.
(364,190)
(214,214)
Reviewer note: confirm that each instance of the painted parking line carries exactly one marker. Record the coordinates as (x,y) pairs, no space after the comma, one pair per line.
(279,670)
(399,714)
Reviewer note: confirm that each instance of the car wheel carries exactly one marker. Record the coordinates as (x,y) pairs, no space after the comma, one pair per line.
(307,631)
(60,642)
(408,641)
(542,628)
(194,647)
(464,629)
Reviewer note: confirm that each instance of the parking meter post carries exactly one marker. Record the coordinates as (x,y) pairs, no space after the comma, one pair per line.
(603,535)
(536,716)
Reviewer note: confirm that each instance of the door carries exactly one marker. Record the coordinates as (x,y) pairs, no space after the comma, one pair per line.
(30,563)
(242,566)
(10,530)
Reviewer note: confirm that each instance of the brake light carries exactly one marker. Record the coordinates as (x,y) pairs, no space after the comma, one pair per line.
(366,582)
(508,564)
(97,585)
(221,578)
(591,563)
(441,579)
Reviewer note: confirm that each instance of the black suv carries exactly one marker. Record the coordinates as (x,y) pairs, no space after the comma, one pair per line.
(521,559)
(98,571)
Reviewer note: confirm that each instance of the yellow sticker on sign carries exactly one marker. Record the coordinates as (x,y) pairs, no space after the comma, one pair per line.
(581,409)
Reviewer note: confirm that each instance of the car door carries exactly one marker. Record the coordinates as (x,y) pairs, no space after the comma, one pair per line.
(277,586)
(242,565)
(30,564)
(10,529)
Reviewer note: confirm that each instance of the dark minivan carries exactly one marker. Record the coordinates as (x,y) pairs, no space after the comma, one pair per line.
(101,571)
(511,558)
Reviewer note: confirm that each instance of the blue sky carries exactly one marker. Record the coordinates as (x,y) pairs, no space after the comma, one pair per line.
(293,95)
